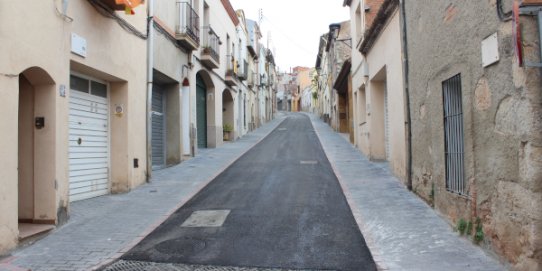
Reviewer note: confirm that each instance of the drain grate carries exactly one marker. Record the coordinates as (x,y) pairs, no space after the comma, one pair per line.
(150,266)
(282,129)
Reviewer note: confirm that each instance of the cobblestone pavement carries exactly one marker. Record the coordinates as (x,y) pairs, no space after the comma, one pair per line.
(101,229)
(402,231)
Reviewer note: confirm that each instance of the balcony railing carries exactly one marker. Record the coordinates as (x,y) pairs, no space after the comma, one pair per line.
(253,79)
(187,26)
(231,67)
(243,70)
(121,5)
(231,70)
(211,43)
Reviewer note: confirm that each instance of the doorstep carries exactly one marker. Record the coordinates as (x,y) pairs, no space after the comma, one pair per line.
(27,230)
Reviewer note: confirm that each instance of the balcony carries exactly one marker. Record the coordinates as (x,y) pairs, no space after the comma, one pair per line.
(187,26)
(251,48)
(210,56)
(121,4)
(231,71)
(243,71)
(252,79)
(263,80)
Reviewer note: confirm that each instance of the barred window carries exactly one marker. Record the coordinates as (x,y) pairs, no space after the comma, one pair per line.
(453,135)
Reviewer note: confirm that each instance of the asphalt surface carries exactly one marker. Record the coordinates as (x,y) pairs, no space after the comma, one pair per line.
(286,210)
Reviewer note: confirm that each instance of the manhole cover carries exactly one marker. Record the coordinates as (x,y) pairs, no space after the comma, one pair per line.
(207,218)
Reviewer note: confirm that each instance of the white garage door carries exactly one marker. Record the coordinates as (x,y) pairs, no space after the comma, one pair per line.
(89,139)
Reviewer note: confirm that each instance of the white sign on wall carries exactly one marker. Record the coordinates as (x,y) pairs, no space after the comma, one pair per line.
(79,45)
(490,50)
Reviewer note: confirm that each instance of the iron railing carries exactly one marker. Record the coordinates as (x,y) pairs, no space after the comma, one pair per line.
(453,135)
(230,65)
(187,21)
(211,43)
(243,69)
(252,79)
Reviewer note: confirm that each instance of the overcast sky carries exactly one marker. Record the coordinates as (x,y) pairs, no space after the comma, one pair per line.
(295,26)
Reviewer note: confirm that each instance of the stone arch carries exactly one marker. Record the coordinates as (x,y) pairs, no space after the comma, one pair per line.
(228,114)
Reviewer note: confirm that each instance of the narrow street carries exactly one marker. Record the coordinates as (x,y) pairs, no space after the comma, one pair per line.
(241,135)
(274,208)
(278,206)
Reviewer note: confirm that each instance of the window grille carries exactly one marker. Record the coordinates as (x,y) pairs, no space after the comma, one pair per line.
(453,135)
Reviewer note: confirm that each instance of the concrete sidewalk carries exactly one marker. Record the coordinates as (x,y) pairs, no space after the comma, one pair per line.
(101,229)
(402,231)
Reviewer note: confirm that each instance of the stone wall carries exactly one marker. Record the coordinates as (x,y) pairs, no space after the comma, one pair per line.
(502,117)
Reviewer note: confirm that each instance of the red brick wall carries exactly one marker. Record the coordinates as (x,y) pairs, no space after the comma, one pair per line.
(371,14)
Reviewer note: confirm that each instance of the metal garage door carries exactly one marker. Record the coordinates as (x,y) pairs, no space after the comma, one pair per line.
(158,128)
(88,139)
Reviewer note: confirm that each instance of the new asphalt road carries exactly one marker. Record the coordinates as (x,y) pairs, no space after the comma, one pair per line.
(278,206)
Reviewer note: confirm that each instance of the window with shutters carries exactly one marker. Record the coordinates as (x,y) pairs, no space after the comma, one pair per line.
(453,135)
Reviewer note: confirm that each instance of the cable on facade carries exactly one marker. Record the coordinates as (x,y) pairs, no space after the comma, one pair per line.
(62,14)
(168,36)
(503,16)
(108,13)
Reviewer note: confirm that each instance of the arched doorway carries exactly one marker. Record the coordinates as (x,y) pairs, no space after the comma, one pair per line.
(228,120)
(207,108)
(36,152)
(201,114)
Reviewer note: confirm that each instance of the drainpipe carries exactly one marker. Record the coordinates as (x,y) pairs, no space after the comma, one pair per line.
(150,63)
(407,94)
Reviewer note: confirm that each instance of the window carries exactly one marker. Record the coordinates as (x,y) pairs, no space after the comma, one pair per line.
(98,89)
(453,135)
(79,84)
(88,86)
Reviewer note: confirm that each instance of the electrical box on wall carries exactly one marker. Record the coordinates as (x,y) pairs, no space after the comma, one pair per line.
(490,50)
(40,122)
(79,45)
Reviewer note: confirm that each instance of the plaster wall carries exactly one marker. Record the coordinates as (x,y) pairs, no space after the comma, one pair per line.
(42,53)
(172,62)
(173,124)
(386,56)
(502,117)
(362,14)
(117,57)
(223,26)
(19,54)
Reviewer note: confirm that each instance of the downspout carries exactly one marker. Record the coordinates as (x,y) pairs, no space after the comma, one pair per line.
(407,94)
(150,63)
